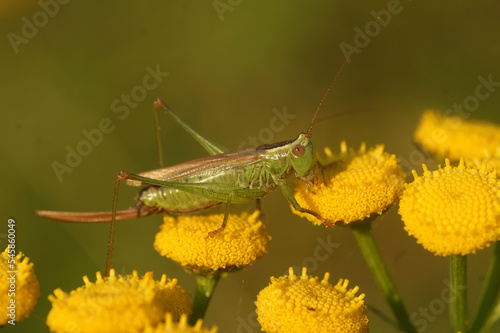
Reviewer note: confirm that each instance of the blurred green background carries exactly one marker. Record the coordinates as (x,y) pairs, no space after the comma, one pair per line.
(227,72)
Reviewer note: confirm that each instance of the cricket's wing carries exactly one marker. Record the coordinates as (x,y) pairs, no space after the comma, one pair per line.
(213,163)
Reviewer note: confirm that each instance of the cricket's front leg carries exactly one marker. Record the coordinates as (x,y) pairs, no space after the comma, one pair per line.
(314,176)
(289,195)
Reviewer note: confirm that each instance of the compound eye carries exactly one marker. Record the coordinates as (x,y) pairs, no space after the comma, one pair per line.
(298,150)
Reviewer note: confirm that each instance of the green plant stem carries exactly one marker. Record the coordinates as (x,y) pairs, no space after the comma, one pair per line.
(371,253)
(205,286)
(493,317)
(458,306)
(489,293)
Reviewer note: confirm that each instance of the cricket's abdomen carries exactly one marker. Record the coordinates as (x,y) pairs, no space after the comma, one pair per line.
(244,183)
(175,201)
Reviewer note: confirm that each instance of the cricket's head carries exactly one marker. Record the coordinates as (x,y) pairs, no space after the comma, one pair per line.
(302,155)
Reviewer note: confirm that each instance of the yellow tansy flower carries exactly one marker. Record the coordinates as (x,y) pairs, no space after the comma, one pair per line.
(184,239)
(352,185)
(304,304)
(454,137)
(117,304)
(453,210)
(180,327)
(489,160)
(19,287)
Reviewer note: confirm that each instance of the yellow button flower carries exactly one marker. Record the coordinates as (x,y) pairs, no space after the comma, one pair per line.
(352,185)
(454,137)
(117,304)
(453,210)
(489,160)
(184,239)
(304,304)
(19,287)
(180,327)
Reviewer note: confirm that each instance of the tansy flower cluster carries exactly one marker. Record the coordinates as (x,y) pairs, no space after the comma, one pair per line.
(455,137)
(117,304)
(184,240)
(181,326)
(453,210)
(352,185)
(304,304)
(491,161)
(19,287)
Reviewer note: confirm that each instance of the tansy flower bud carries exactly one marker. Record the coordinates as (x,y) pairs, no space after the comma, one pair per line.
(184,240)
(453,210)
(352,185)
(304,304)
(180,327)
(19,288)
(117,304)
(454,137)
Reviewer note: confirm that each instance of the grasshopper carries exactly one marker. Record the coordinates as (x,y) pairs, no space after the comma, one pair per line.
(222,178)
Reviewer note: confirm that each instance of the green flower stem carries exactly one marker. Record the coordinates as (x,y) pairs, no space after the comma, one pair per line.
(458,306)
(492,319)
(489,293)
(366,242)
(205,286)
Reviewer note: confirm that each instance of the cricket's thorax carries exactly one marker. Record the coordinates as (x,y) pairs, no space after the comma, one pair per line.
(248,180)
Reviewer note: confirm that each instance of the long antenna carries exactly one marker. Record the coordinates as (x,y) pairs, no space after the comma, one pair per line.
(309,129)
